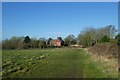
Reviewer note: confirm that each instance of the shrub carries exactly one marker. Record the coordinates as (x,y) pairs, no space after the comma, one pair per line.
(105,38)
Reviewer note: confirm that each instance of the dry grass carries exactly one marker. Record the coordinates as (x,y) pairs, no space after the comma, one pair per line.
(110,64)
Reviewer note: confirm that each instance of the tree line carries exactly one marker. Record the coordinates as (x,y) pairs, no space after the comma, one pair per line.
(91,36)
(88,37)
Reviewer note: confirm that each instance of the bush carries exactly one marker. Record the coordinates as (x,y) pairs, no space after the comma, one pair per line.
(105,38)
(109,50)
(118,39)
(113,41)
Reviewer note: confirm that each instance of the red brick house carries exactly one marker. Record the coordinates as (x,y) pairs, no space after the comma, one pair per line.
(56,42)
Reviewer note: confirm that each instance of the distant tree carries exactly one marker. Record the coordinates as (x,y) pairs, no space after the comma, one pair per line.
(70,39)
(27,39)
(0,45)
(20,44)
(48,42)
(42,43)
(118,39)
(34,43)
(109,31)
(5,44)
(12,43)
(84,39)
(27,42)
(90,36)
(60,38)
(43,39)
(105,38)
(112,30)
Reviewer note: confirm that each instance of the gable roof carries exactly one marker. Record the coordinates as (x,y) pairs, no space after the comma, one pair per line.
(56,40)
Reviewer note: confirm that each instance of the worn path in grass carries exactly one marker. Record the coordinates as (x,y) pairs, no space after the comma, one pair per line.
(58,63)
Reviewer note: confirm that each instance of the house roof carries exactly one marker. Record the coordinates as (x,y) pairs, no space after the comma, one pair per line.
(56,40)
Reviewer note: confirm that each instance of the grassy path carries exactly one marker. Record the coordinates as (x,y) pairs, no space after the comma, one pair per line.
(58,63)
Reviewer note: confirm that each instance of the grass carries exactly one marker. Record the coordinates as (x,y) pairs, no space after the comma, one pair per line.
(55,63)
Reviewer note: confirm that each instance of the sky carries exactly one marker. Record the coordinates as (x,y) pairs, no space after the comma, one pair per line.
(60,0)
(53,19)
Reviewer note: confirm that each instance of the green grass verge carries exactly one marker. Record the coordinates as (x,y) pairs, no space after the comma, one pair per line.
(56,63)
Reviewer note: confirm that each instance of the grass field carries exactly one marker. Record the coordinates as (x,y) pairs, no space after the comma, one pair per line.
(51,63)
